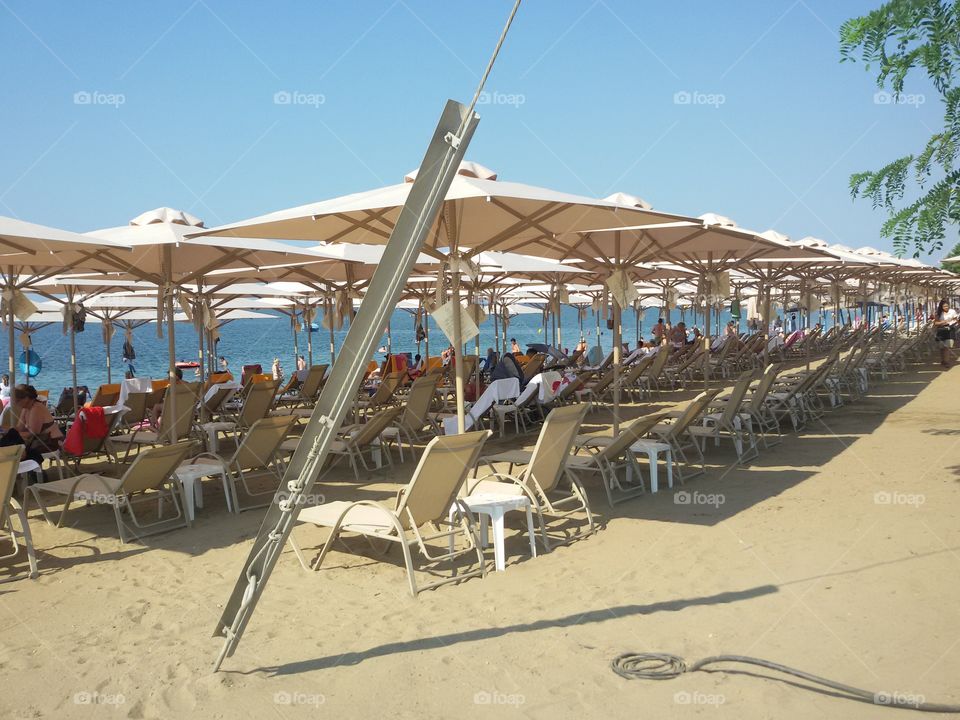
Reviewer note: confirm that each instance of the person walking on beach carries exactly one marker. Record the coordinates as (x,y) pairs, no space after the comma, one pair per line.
(945,323)
(224,365)
(514,348)
(659,331)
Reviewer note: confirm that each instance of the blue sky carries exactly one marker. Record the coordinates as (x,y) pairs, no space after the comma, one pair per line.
(740,108)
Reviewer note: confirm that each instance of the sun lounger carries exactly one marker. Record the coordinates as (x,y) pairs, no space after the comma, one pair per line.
(731,422)
(256,453)
(414,424)
(421,515)
(553,490)
(10,507)
(176,421)
(152,470)
(356,440)
(606,455)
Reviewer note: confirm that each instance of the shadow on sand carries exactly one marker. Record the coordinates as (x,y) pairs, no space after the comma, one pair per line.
(479,634)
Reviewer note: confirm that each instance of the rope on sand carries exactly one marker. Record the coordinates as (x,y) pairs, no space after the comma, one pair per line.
(663,666)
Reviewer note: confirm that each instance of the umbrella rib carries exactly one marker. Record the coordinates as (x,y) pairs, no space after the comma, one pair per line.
(533,221)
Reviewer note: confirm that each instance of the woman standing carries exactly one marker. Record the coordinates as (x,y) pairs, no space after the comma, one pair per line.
(943,323)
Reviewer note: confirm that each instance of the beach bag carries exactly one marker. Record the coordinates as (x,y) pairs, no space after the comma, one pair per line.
(470,393)
(79,319)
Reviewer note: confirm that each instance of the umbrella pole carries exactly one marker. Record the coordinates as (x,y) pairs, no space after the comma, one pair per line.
(596,314)
(171,338)
(12,361)
(559,343)
(333,340)
(766,326)
(707,341)
(73,361)
(296,341)
(496,325)
(458,349)
(636,319)
(476,371)
(200,358)
(617,359)
(308,317)
(108,339)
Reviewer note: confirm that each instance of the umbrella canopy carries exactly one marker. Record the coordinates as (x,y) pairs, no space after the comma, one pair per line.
(480,214)
(32,248)
(30,253)
(152,234)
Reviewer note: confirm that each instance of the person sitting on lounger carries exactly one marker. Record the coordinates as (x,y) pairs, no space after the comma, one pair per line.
(490,362)
(678,336)
(34,427)
(157,410)
(416,367)
(508,367)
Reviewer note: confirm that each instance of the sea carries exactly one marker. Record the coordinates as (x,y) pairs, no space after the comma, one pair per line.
(259,341)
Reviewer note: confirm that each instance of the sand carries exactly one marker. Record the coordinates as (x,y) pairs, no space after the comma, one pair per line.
(837,552)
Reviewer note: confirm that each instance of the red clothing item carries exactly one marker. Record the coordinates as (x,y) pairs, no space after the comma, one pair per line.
(91,423)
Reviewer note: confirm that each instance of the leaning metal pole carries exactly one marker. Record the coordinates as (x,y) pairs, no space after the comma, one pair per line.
(418,214)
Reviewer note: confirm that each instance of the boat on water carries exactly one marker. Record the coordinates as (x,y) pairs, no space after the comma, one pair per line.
(186,364)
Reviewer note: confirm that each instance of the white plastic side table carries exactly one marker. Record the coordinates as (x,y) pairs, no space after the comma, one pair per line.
(496,506)
(188,475)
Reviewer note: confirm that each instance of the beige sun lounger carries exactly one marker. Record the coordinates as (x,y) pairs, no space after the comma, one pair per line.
(553,491)
(185,402)
(355,440)
(731,422)
(256,454)
(151,470)
(675,433)
(606,455)
(9,506)
(256,405)
(424,504)
(414,424)
(308,391)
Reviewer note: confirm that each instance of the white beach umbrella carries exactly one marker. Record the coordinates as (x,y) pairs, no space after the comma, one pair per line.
(164,255)
(30,253)
(479,214)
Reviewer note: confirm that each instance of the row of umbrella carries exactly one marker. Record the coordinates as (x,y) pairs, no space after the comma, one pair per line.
(488,234)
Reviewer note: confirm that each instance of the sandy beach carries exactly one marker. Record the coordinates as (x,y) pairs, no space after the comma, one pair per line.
(837,552)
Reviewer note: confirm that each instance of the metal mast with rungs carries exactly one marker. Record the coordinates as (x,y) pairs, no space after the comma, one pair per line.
(444,154)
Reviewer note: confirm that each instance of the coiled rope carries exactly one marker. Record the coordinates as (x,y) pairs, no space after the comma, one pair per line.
(664,666)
